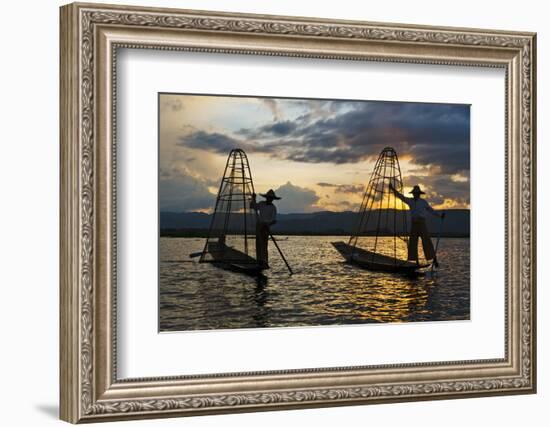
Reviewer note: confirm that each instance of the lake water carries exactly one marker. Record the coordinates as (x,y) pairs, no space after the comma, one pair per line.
(323,291)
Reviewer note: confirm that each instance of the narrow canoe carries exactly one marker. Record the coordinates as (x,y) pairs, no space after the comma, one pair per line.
(229,258)
(374,261)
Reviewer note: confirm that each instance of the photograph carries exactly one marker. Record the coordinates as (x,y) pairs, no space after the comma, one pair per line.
(295,212)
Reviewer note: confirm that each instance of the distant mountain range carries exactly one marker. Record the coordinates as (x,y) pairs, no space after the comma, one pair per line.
(456,224)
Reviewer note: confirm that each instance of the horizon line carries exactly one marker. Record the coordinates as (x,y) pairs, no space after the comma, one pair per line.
(316,212)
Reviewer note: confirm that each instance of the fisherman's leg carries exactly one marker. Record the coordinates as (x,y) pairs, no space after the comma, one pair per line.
(266,241)
(258,243)
(412,247)
(262,245)
(427,245)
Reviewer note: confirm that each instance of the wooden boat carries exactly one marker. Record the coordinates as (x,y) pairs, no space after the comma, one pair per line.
(379,217)
(375,261)
(228,258)
(234,220)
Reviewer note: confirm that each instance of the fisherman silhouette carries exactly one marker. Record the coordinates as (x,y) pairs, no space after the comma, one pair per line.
(265,218)
(419,209)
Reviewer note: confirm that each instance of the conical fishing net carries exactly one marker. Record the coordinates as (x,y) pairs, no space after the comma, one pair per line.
(231,237)
(381,228)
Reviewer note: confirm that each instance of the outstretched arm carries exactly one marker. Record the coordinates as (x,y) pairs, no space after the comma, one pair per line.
(397,193)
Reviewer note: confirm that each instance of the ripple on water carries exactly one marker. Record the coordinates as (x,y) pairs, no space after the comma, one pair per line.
(323,291)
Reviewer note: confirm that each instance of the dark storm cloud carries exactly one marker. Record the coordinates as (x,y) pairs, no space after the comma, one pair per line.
(222,144)
(279,128)
(282,128)
(432,134)
(216,142)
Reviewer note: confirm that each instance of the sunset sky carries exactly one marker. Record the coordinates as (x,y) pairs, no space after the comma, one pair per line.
(316,154)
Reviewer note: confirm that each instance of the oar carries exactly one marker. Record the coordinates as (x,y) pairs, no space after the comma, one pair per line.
(437,244)
(281,253)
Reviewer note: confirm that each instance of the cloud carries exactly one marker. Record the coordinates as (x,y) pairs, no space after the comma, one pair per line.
(279,128)
(171,103)
(272,105)
(429,133)
(344,188)
(434,139)
(442,188)
(349,206)
(222,144)
(276,129)
(216,142)
(179,192)
(296,199)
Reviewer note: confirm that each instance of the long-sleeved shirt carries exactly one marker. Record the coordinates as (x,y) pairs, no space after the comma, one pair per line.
(266,212)
(419,207)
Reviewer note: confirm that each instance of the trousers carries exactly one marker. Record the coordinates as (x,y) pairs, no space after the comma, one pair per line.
(419,229)
(262,238)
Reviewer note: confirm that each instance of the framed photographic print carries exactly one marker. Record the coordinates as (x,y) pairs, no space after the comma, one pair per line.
(265,212)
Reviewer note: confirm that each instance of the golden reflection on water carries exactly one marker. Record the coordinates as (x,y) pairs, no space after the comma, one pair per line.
(323,291)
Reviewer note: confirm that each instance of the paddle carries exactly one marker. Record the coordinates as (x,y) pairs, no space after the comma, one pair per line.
(281,253)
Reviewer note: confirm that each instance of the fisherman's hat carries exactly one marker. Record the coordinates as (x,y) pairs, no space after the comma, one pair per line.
(416,190)
(270,194)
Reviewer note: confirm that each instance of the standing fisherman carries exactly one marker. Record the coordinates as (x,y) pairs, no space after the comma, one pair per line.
(419,211)
(265,218)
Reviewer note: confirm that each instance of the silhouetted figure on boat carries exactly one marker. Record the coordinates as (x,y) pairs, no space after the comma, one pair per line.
(419,211)
(265,218)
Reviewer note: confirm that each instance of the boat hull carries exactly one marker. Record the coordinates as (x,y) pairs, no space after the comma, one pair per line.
(231,259)
(376,262)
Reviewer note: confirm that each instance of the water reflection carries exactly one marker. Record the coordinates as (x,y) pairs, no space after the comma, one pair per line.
(323,291)
(261,297)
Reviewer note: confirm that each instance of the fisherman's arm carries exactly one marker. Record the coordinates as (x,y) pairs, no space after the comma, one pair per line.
(398,194)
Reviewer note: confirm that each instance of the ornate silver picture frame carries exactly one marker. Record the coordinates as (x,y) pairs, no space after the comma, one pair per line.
(91,34)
